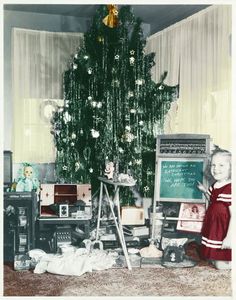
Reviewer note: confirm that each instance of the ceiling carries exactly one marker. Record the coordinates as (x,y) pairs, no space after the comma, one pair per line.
(158,16)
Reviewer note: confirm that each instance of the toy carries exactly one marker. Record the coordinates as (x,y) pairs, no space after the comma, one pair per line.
(27,182)
(109,169)
(174,254)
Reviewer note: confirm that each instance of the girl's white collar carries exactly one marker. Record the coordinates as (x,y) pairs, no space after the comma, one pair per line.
(218,185)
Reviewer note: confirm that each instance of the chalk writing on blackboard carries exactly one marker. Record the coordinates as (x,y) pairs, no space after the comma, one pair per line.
(178,179)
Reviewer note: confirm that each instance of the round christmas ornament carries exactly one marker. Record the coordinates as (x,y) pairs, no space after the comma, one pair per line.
(100,39)
(47,109)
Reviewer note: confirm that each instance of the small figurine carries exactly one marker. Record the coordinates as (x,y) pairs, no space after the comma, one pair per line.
(109,169)
(172,256)
(28,182)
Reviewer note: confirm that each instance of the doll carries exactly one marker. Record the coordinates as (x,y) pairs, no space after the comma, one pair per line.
(109,169)
(28,182)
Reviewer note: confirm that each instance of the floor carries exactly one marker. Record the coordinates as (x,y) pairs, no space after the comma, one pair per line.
(200,280)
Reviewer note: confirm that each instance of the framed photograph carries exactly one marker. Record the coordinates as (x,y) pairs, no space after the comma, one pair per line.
(191,217)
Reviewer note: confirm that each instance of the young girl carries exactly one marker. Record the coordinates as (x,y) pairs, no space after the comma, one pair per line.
(216,229)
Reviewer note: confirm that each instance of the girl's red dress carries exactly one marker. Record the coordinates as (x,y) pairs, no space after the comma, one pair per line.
(216,224)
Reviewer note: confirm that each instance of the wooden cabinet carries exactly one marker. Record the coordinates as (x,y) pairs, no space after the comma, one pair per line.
(63,194)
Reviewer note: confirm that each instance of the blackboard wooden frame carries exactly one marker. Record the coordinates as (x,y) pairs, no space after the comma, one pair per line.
(183,163)
(179,148)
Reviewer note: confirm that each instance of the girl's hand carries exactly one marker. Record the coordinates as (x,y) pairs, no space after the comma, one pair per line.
(201,187)
(226,244)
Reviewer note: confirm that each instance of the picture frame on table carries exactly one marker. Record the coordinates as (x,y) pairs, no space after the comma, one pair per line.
(191,216)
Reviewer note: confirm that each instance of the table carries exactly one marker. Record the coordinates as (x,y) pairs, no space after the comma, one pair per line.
(104,182)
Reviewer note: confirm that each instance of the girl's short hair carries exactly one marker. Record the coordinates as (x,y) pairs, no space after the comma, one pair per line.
(222,152)
(207,172)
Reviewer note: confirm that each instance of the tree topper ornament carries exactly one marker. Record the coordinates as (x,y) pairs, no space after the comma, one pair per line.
(111,20)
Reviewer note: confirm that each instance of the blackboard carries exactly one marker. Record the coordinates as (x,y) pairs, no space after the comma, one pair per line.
(178,179)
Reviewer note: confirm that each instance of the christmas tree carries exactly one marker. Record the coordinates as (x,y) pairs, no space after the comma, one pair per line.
(112,108)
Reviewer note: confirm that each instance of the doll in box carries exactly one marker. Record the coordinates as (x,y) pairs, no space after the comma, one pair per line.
(27,182)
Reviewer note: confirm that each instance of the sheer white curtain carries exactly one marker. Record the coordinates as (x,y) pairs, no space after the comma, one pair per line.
(39,59)
(196,53)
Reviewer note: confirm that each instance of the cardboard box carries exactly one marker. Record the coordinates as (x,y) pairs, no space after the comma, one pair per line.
(140,231)
(131,215)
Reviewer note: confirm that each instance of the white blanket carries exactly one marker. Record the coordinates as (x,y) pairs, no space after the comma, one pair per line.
(76,263)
